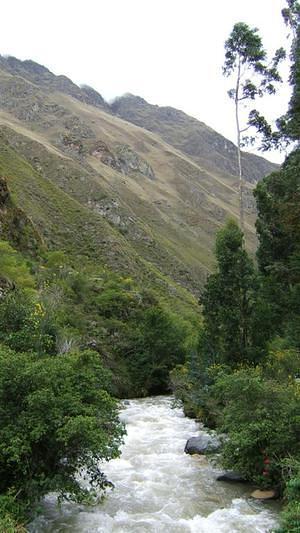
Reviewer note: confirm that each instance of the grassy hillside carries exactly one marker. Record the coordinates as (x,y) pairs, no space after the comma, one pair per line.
(113,191)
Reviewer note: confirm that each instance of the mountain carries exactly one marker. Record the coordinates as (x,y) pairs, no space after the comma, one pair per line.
(140,188)
(195,139)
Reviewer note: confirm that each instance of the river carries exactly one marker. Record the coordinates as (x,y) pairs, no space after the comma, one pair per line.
(158,488)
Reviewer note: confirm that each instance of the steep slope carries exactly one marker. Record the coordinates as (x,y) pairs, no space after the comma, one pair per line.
(194,138)
(100,186)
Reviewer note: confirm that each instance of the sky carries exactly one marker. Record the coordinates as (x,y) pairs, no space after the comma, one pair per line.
(169,52)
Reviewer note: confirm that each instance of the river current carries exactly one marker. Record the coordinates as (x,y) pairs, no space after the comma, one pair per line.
(158,488)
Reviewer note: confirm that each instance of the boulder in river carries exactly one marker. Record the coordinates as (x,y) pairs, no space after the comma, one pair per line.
(202,444)
(231,477)
(264,494)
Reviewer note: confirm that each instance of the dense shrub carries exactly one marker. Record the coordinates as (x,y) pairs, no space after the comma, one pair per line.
(56,419)
(261,419)
(25,325)
(290,517)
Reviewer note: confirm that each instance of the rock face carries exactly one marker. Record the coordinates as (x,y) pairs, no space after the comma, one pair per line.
(101,151)
(231,477)
(122,158)
(131,162)
(202,444)
(92,97)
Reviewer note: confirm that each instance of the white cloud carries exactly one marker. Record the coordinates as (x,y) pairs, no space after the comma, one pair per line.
(169,51)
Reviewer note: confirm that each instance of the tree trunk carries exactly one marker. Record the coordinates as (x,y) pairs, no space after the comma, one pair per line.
(241,191)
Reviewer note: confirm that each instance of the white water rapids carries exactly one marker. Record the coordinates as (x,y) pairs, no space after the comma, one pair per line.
(158,488)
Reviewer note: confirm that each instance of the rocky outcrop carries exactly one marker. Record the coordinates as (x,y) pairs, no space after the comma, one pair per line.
(93,98)
(122,158)
(131,162)
(114,213)
(203,444)
(101,151)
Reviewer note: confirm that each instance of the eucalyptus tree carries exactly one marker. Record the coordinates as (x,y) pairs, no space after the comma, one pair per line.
(246,62)
(287,131)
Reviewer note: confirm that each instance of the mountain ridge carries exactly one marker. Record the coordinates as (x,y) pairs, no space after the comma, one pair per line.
(158,200)
(43,76)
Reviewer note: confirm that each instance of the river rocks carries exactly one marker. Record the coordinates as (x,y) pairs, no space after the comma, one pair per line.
(231,477)
(264,494)
(202,444)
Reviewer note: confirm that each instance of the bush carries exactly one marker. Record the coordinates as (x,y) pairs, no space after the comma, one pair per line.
(290,517)
(56,419)
(12,514)
(261,418)
(14,268)
(157,346)
(25,324)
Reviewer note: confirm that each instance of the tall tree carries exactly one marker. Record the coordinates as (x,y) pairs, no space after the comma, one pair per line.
(278,203)
(291,122)
(278,228)
(245,59)
(234,328)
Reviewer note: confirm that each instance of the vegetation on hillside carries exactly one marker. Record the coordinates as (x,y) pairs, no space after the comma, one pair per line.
(72,339)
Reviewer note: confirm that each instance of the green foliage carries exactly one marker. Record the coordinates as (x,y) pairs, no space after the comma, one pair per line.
(278,228)
(14,268)
(139,339)
(157,345)
(25,325)
(282,361)
(290,517)
(12,512)
(270,428)
(56,419)
(9,525)
(288,126)
(234,322)
(244,46)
